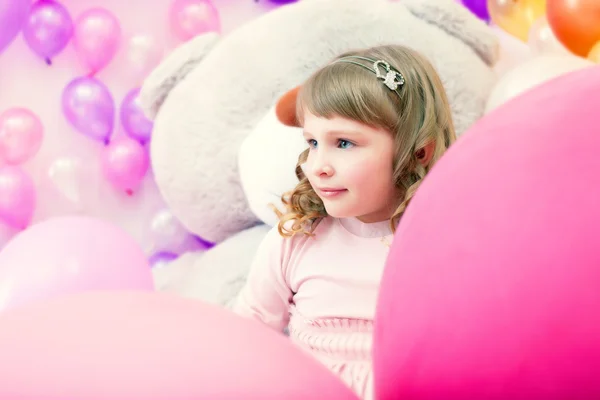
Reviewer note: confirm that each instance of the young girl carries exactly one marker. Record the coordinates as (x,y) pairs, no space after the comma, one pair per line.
(375,122)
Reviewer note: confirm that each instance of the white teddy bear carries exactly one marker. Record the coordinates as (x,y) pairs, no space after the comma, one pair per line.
(218,151)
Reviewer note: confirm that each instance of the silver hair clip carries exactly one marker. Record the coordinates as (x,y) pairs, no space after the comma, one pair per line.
(392,78)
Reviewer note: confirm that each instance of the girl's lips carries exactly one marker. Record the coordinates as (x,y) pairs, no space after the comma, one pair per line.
(330,192)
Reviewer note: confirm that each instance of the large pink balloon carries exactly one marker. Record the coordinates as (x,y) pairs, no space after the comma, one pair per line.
(68,255)
(127,345)
(21,133)
(96,38)
(492,285)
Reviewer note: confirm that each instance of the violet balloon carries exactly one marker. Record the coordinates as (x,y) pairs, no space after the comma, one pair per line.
(479,8)
(167,233)
(125,163)
(48,29)
(189,18)
(21,134)
(135,123)
(89,106)
(17,197)
(160,259)
(13,14)
(97,37)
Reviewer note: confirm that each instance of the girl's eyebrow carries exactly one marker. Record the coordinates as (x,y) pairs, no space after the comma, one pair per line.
(336,132)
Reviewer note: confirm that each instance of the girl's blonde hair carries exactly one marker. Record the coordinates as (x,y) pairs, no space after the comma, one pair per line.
(417,114)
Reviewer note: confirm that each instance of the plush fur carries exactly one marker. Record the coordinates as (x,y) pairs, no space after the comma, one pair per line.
(213,107)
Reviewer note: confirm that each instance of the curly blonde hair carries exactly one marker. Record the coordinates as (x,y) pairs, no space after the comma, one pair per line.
(417,115)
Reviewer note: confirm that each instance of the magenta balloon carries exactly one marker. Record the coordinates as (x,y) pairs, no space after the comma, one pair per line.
(133,119)
(96,38)
(124,163)
(17,197)
(21,135)
(491,289)
(67,255)
(48,29)
(89,106)
(189,18)
(13,14)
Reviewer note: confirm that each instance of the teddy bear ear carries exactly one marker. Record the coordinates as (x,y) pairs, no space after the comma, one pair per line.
(458,21)
(285,109)
(172,70)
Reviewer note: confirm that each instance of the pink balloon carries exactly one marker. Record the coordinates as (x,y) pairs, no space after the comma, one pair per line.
(68,255)
(21,133)
(154,346)
(96,38)
(492,285)
(17,197)
(189,18)
(124,163)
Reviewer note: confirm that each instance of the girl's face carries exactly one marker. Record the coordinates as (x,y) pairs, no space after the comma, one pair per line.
(349,166)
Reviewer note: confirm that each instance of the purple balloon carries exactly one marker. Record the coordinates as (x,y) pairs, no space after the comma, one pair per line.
(162,258)
(479,8)
(89,107)
(12,17)
(48,29)
(135,123)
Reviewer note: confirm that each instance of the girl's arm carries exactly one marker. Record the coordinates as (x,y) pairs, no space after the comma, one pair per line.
(266,295)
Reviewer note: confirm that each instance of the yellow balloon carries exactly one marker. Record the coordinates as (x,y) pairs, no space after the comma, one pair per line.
(595,53)
(516,16)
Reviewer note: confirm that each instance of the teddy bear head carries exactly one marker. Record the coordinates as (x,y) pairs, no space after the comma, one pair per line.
(213,93)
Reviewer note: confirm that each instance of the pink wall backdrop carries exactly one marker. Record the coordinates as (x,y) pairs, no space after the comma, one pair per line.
(66,170)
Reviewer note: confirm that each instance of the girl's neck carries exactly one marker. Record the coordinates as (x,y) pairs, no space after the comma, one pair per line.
(366,229)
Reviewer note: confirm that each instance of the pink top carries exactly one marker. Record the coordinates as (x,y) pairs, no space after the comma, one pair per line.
(324,289)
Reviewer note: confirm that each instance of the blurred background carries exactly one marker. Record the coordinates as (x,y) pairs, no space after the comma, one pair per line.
(74,141)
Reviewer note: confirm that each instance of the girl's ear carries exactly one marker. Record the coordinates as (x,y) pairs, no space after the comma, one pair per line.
(286,108)
(425,154)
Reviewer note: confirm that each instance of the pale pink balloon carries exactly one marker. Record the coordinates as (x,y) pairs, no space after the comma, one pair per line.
(96,38)
(154,346)
(142,54)
(71,254)
(17,197)
(189,18)
(125,163)
(21,133)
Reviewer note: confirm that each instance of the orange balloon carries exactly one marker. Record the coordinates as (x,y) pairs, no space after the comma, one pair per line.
(516,16)
(595,53)
(576,23)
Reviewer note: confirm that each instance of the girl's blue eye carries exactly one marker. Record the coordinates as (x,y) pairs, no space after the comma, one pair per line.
(344,144)
(312,143)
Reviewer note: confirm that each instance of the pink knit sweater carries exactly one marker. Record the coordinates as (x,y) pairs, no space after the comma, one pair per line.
(324,289)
